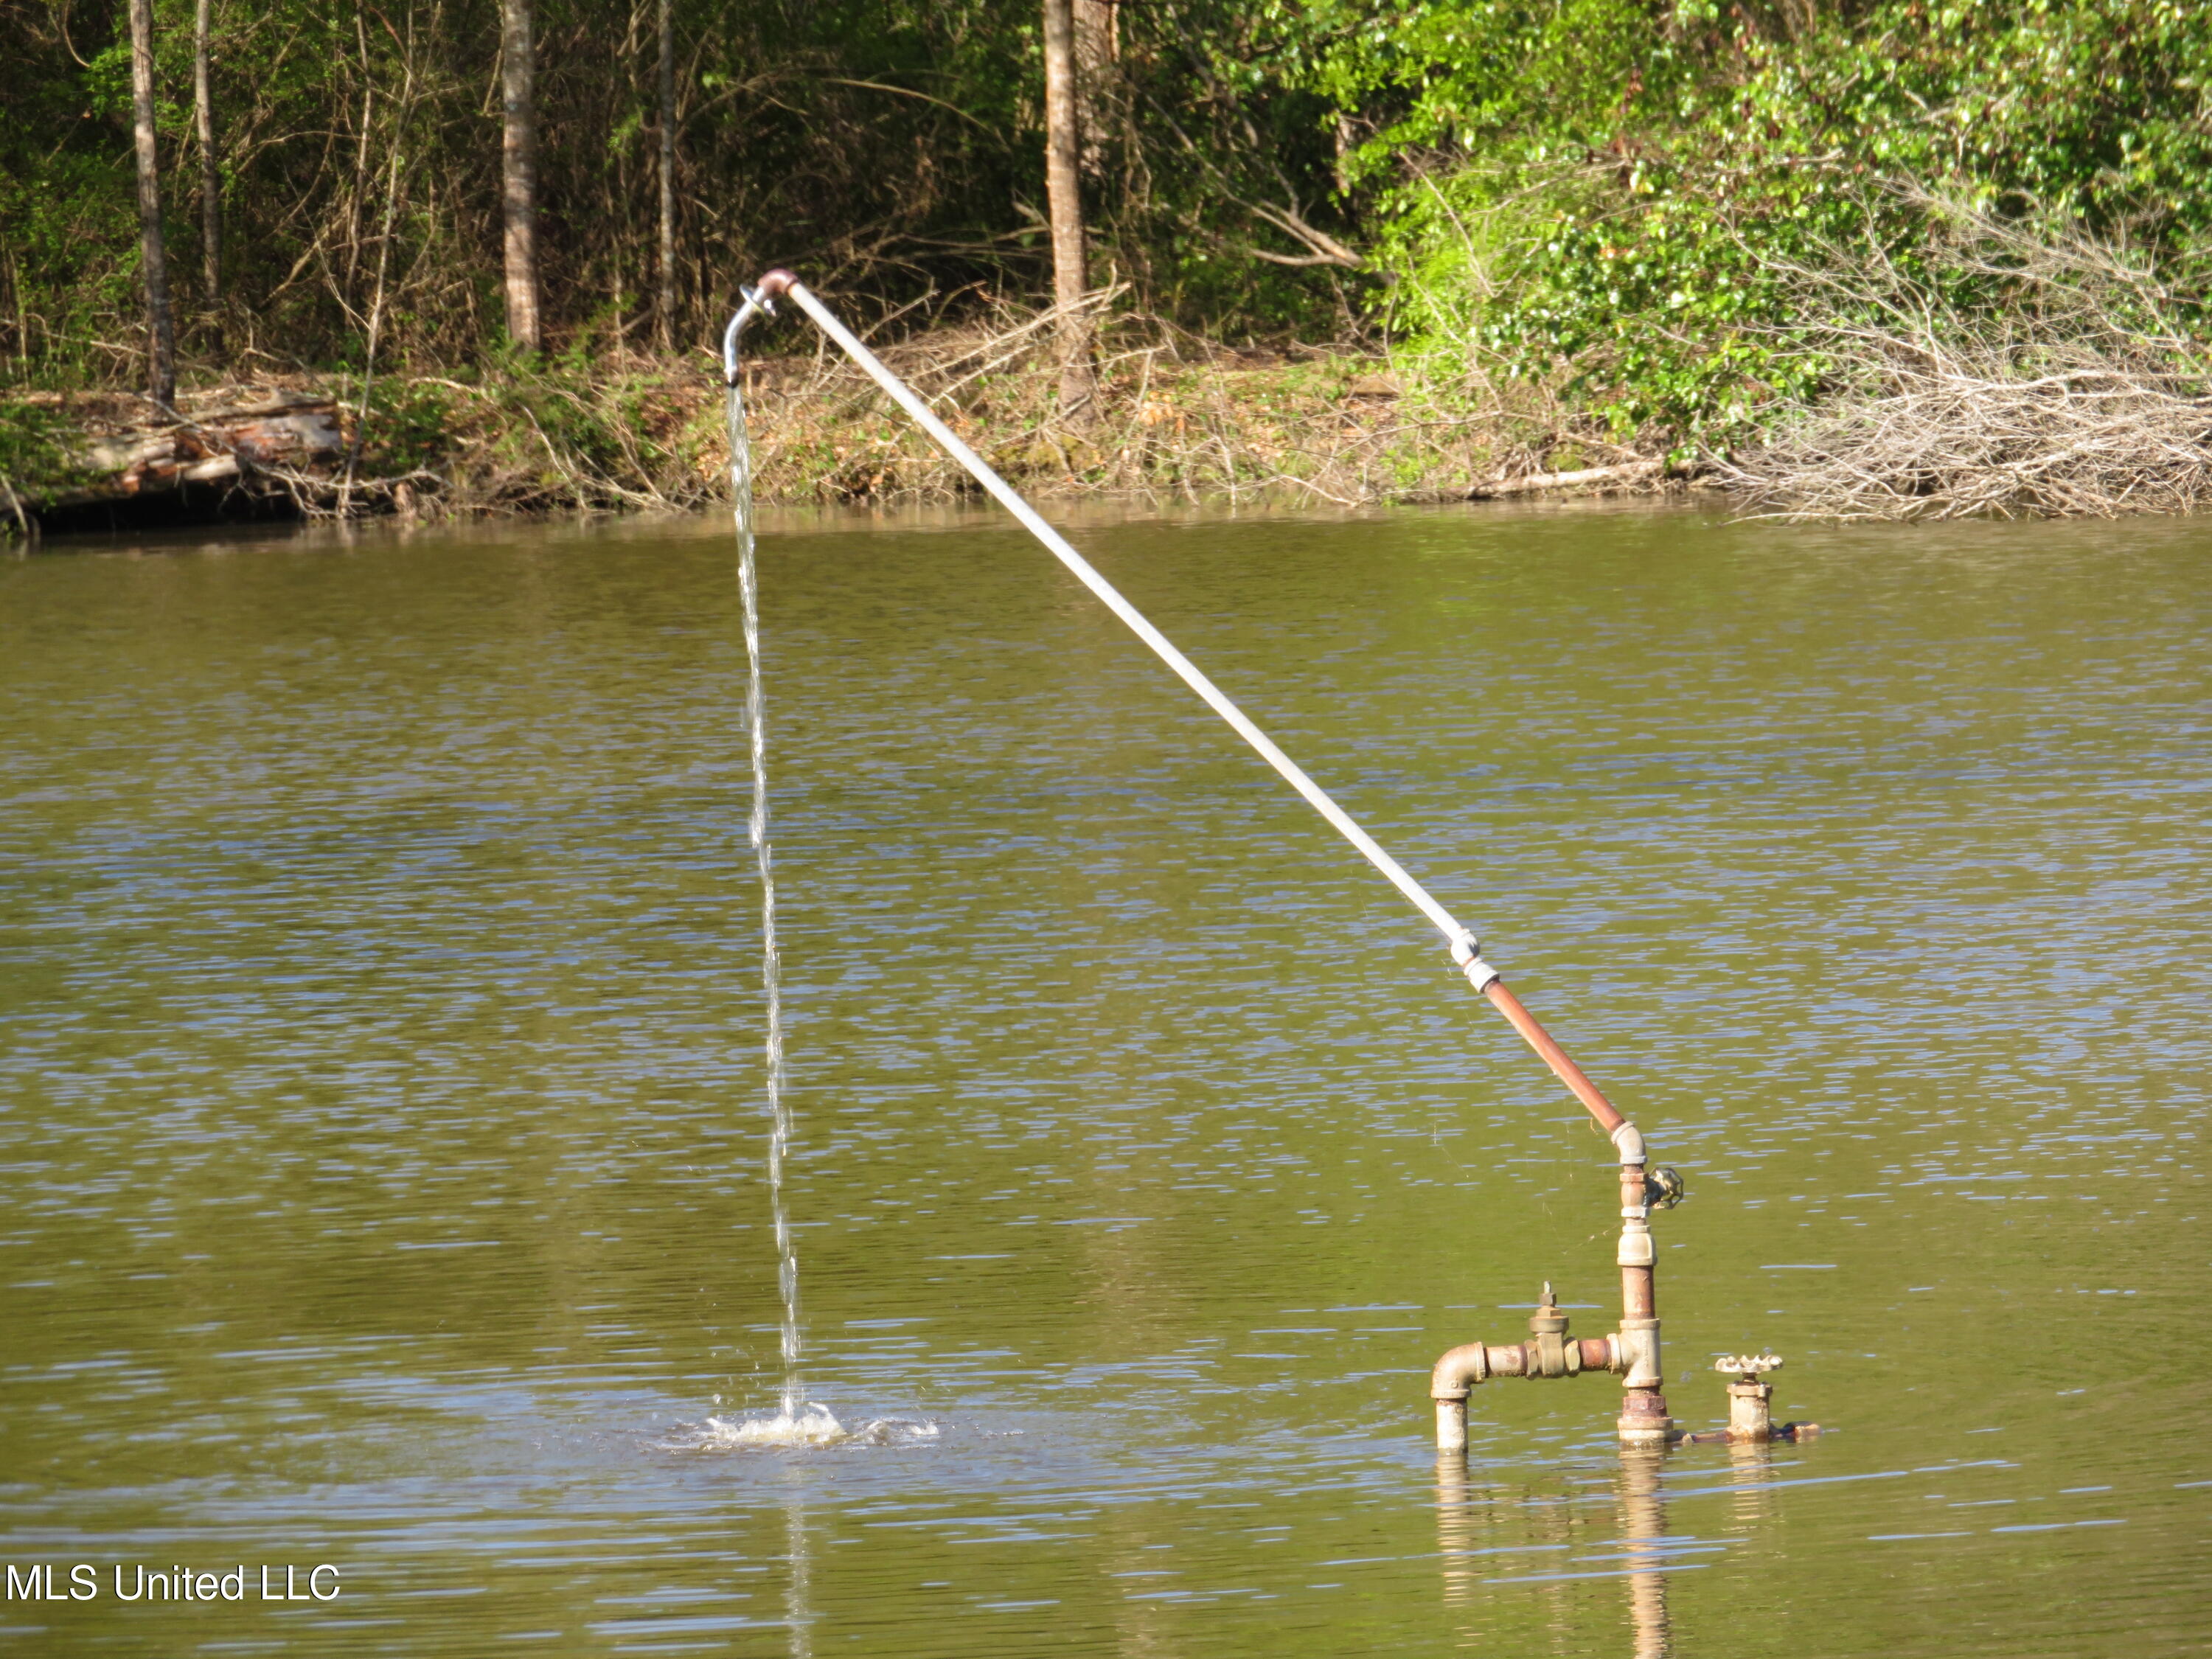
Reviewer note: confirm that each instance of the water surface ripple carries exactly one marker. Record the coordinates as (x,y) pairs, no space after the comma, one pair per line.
(380,1027)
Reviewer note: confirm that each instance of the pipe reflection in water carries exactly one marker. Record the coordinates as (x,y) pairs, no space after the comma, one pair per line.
(1466,1523)
(1751,1472)
(1644,1533)
(1456,1526)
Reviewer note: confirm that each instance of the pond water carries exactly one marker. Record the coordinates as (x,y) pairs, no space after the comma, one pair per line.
(380,1086)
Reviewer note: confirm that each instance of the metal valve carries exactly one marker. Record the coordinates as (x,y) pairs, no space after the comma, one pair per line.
(1750,1398)
(1663,1188)
(1550,1352)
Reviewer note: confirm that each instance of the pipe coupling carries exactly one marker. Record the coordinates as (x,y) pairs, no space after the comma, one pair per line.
(1467,952)
(1636,1249)
(1639,1347)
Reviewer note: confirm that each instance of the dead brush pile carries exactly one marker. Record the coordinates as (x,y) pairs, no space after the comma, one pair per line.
(612,437)
(1175,417)
(2072,387)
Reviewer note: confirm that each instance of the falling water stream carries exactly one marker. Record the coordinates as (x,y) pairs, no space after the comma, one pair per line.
(793,1421)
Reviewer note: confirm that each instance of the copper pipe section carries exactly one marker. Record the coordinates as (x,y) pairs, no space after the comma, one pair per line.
(1552,1054)
(775,284)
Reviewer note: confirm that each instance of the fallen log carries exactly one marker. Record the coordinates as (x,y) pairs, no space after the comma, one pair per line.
(1589,477)
(260,445)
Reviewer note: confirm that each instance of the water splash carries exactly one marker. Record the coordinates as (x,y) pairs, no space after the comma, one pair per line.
(779,1140)
(814,1426)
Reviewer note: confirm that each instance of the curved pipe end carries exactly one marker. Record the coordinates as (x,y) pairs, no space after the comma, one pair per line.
(757,303)
(759,300)
(1459,1370)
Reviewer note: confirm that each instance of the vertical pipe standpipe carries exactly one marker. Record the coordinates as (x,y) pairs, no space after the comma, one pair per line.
(1643,1405)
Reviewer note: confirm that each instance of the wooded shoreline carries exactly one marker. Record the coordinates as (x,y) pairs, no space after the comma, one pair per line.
(1334,427)
(1875,259)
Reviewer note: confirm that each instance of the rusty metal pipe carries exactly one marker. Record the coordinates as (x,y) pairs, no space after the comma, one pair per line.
(1462,1369)
(1631,1352)
(1643,1405)
(1562,1064)
(1457,1371)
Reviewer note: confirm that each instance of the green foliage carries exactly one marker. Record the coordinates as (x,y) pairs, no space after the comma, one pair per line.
(1611,208)
(1626,203)
(38,457)
(1639,305)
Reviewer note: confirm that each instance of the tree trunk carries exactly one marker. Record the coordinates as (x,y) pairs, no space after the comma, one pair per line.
(665,311)
(518,171)
(161,326)
(1097,62)
(210,180)
(1063,144)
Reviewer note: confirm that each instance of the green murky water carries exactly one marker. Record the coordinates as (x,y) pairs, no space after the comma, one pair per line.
(380,1119)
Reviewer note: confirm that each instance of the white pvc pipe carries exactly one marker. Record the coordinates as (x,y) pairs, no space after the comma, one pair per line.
(1459,938)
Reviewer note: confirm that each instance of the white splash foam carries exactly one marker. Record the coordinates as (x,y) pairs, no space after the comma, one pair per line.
(813,1426)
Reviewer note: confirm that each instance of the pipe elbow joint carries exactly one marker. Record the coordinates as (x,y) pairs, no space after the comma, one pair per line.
(1460,1370)
(775,283)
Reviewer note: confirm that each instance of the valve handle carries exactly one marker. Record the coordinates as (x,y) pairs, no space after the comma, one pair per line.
(1663,1188)
(1748,1365)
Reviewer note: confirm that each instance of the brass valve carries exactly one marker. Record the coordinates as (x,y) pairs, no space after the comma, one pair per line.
(1550,1353)
(1663,1188)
